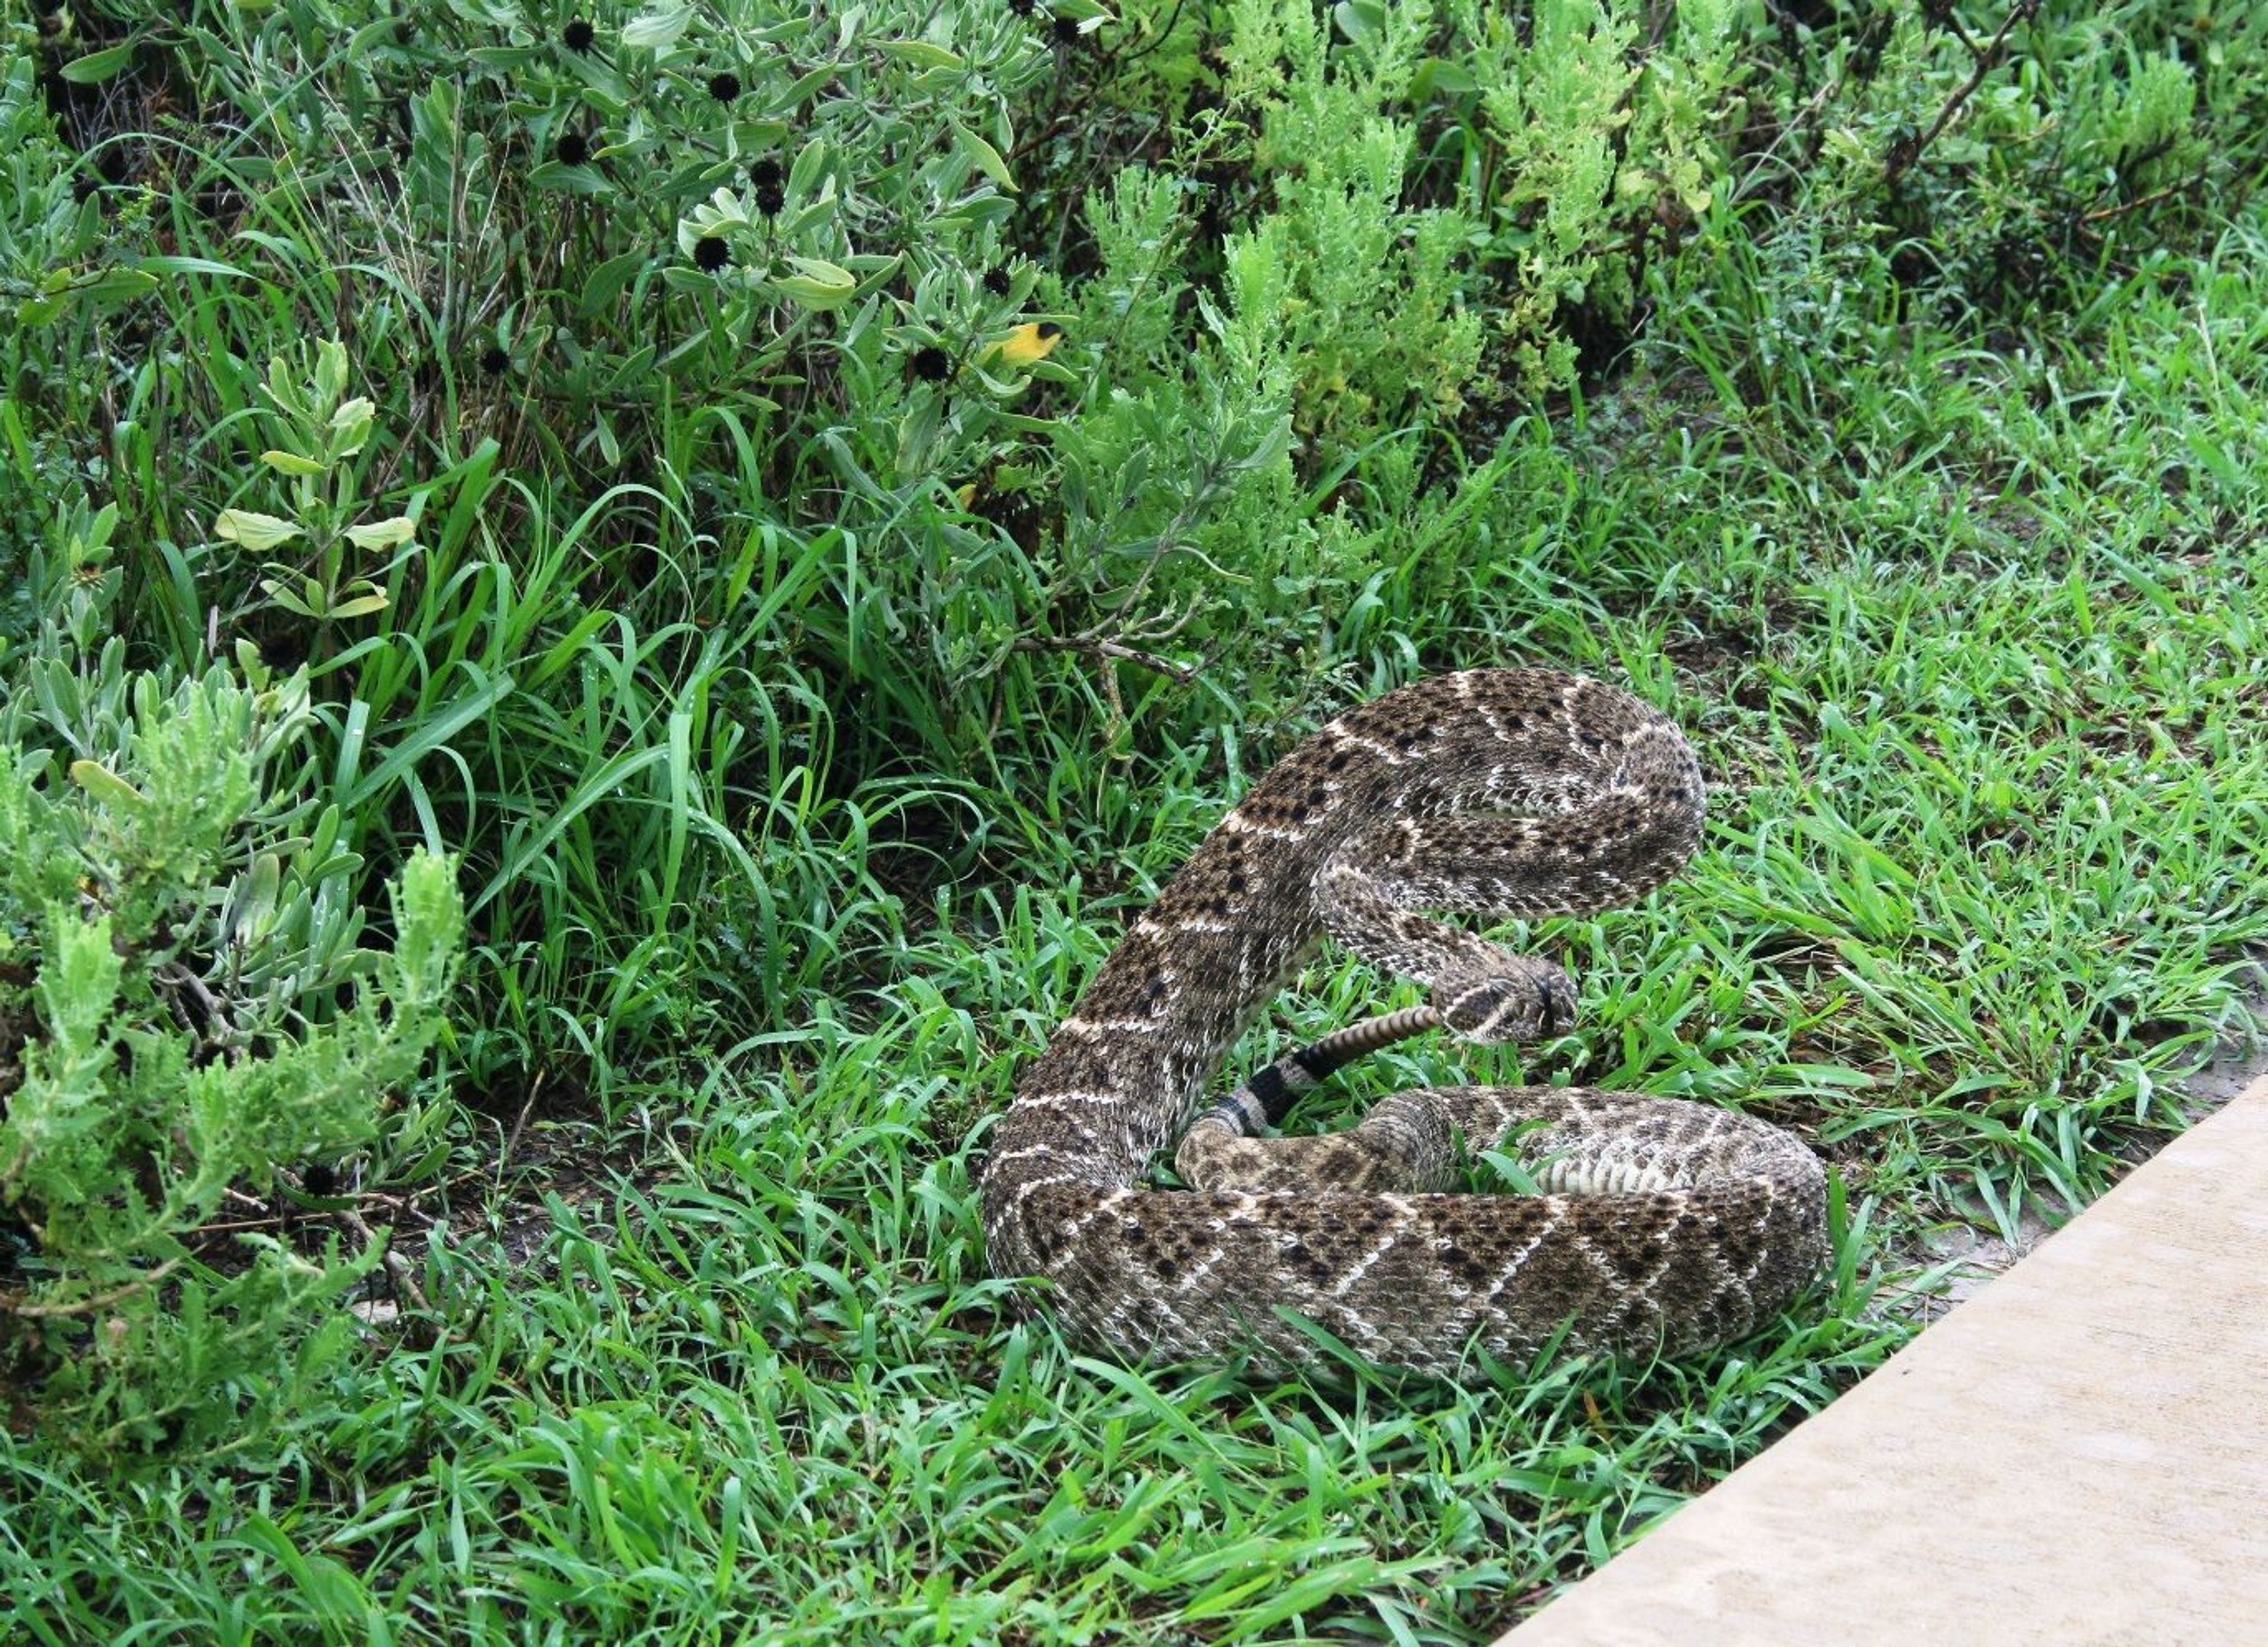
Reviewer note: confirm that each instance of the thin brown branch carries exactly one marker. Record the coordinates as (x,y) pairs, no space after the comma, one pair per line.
(2104,214)
(520,1126)
(1095,647)
(397,1267)
(1905,153)
(100,1301)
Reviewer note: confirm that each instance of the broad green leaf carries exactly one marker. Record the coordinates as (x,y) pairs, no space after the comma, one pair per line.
(350,426)
(1361,21)
(281,594)
(98,66)
(281,389)
(657,29)
(330,370)
(115,286)
(104,785)
(383,534)
(293,463)
(256,895)
(818,284)
(986,157)
(255,531)
(182,265)
(921,52)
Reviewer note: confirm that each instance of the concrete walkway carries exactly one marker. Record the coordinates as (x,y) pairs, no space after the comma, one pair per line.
(2078,1455)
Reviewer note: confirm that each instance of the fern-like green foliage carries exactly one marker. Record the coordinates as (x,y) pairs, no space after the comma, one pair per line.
(1361,288)
(183,1012)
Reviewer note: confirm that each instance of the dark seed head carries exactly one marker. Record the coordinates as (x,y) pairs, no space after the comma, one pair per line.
(578,34)
(766,172)
(495,361)
(1023,8)
(711,252)
(574,149)
(769,198)
(1066,31)
(931,365)
(996,281)
(725,86)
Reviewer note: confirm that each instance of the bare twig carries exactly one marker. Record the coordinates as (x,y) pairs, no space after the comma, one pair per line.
(2105,213)
(520,1126)
(1095,646)
(100,1301)
(405,1281)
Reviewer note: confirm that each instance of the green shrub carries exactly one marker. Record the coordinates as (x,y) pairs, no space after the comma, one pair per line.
(1408,201)
(185,1011)
(1599,148)
(714,285)
(63,268)
(1982,163)
(755,530)
(1362,293)
(1992,145)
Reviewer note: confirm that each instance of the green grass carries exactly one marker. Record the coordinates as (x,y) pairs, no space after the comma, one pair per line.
(782,857)
(1981,880)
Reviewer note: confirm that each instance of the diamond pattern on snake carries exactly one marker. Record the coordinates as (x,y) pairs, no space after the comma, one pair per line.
(1493,793)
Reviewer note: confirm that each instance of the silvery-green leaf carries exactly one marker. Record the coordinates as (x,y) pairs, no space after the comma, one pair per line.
(255,531)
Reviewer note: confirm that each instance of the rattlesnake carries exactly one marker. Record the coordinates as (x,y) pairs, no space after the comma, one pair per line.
(1497,791)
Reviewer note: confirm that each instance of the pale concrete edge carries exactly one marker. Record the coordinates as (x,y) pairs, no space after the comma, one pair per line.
(2255,1092)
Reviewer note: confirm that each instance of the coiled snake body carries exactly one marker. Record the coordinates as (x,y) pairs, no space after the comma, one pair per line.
(1494,791)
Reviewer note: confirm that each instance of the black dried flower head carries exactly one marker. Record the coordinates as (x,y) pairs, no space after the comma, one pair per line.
(574,149)
(1066,31)
(1023,8)
(495,361)
(768,177)
(711,252)
(725,86)
(578,34)
(931,365)
(996,281)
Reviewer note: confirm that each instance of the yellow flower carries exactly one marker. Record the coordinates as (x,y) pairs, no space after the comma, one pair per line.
(1033,341)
